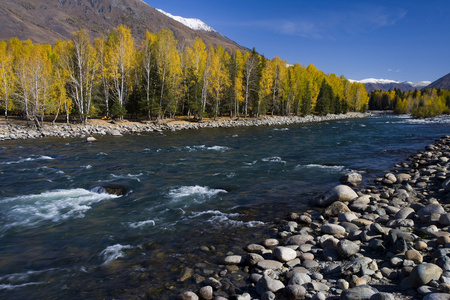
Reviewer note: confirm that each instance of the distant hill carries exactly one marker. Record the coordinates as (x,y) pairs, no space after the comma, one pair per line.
(442,83)
(45,21)
(373,84)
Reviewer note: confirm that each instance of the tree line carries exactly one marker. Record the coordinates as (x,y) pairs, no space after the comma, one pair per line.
(113,76)
(420,104)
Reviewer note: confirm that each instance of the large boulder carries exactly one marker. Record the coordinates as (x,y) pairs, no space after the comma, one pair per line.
(361,292)
(299,278)
(233,260)
(114,132)
(360,265)
(446,185)
(405,213)
(206,293)
(268,284)
(188,296)
(295,292)
(342,193)
(351,179)
(347,248)
(298,239)
(329,228)
(437,296)
(335,209)
(423,274)
(284,254)
(430,209)
(269,265)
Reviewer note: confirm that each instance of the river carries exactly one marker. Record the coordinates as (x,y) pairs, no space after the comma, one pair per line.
(193,196)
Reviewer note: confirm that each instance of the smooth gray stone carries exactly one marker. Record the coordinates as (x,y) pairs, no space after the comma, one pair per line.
(361,292)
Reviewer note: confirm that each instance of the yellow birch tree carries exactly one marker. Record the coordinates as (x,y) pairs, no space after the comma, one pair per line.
(265,84)
(121,61)
(80,62)
(168,65)
(237,77)
(62,100)
(220,79)
(7,78)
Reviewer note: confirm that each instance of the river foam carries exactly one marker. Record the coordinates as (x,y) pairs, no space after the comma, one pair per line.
(142,224)
(52,206)
(114,252)
(20,280)
(273,159)
(220,219)
(196,193)
(325,167)
(21,160)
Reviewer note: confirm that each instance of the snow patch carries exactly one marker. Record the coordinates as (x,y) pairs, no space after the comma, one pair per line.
(192,23)
(389,81)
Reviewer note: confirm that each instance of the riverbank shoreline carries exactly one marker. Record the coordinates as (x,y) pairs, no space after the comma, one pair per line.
(390,240)
(96,128)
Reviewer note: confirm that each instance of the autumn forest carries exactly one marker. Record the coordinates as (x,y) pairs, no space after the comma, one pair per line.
(155,80)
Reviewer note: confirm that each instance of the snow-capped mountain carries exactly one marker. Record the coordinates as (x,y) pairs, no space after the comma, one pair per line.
(387,84)
(192,23)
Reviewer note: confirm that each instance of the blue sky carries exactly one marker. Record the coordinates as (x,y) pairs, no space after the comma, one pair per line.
(405,40)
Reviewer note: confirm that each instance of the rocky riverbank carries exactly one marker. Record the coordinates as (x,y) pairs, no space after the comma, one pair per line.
(100,127)
(386,241)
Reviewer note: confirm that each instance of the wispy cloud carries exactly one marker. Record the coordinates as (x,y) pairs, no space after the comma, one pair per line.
(332,24)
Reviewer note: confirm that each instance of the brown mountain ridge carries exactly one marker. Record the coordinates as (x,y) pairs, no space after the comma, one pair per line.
(45,21)
(442,83)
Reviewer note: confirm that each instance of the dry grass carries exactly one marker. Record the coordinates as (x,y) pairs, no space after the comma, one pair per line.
(19,121)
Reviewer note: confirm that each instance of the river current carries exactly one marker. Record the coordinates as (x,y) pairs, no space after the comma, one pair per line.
(193,196)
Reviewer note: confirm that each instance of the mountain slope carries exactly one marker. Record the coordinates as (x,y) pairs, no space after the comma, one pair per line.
(373,84)
(442,83)
(45,21)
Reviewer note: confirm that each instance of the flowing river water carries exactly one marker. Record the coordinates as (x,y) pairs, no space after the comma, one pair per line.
(193,196)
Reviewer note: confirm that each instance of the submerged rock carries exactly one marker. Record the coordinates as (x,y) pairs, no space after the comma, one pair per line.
(111,188)
(187,296)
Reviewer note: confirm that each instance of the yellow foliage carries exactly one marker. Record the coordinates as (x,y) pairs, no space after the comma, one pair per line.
(7,78)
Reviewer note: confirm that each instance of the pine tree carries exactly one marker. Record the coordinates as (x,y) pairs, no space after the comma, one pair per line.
(278,77)
(250,77)
(324,99)
(103,73)
(264,86)
(194,69)
(148,63)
